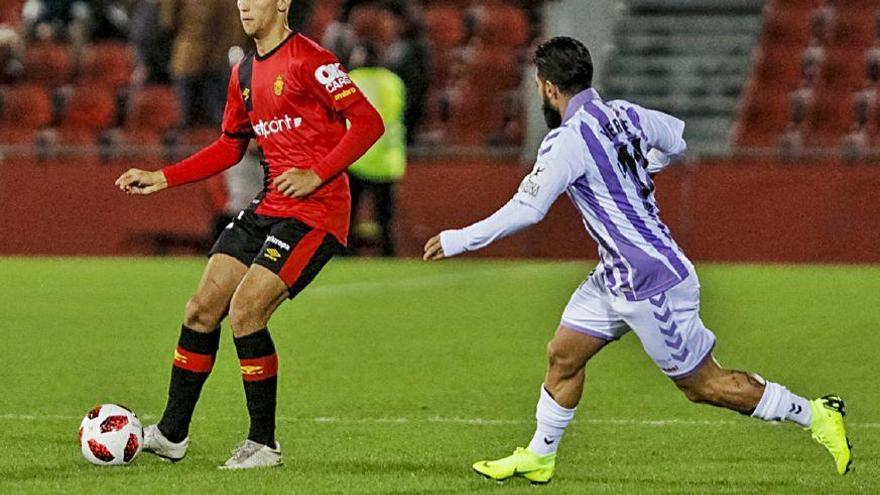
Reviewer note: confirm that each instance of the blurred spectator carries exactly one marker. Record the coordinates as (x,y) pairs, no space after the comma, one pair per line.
(11,48)
(203,31)
(395,29)
(864,102)
(855,143)
(811,61)
(152,44)
(409,57)
(376,173)
(822,20)
(48,20)
(800,102)
(872,63)
(791,142)
(77,20)
(339,36)
(510,133)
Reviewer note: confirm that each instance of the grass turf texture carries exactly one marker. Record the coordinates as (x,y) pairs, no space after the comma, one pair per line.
(396,376)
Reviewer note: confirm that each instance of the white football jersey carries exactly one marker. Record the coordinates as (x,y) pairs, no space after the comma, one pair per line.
(603,157)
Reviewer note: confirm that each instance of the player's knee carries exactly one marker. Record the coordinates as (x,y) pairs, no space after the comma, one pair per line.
(201,314)
(246,316)
(561,359)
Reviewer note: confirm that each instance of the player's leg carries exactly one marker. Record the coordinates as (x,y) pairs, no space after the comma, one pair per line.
(672,333)
(200,334)
(290,259)
(588,325)
(749,394)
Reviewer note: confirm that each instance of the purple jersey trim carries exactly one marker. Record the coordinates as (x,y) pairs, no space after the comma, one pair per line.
(587,331)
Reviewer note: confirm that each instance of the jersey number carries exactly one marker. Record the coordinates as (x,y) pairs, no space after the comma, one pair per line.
(630,163)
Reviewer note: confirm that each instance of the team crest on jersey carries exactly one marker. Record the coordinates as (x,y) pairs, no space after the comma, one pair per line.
(279,85)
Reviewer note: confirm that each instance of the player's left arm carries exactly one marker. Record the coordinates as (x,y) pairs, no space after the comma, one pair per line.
(665,137)
(552,174)
(329,82)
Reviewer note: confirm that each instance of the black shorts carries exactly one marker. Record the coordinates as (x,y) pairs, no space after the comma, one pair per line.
(289,248)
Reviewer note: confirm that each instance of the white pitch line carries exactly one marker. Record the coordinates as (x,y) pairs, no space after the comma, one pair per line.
(435,419)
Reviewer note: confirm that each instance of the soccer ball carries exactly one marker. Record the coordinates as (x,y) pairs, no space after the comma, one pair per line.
(110,435)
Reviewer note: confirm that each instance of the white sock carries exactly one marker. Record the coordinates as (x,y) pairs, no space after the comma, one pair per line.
(553,419)
(779,404)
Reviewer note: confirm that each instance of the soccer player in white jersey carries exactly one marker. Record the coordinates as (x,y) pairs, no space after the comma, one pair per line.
(603,155)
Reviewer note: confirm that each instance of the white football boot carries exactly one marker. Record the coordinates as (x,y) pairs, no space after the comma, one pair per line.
(250,455)
(156,443)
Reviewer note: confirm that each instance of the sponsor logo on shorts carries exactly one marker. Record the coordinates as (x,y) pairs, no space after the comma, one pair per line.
(333,77)
(179,357)
(278,242)
(670,369)
(272,254)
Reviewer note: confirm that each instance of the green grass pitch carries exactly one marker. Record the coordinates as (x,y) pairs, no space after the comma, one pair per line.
(396,376)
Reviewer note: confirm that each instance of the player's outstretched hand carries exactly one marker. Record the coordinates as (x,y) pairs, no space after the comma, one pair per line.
(297,182)
(434,250)
(141,182)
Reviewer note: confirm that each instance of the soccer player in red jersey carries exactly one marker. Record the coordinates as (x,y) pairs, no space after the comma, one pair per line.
(294,98)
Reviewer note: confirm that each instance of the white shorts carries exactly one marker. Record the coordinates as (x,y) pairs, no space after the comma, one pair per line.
(668,324)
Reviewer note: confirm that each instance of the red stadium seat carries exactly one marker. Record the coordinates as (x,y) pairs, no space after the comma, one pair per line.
(198,137)
(10,12)
(445,26)
(153,109)
(48,64)
(500,24)
(107,64)
(830,120)
(474,117)
(324,13)
(493,67)
(26,106)
(88,113)
(787,32)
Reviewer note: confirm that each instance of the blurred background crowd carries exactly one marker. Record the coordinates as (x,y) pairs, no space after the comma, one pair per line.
(447,53)
(761,84)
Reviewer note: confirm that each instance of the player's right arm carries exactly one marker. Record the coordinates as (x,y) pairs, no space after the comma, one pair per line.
(222,154)
(559,164)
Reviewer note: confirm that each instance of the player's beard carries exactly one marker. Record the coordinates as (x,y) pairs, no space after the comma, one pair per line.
(551,115)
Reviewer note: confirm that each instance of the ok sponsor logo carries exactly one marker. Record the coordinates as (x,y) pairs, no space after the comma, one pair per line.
(333,77)
(265,129)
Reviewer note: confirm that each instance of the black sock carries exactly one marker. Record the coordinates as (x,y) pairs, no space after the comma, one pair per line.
(193,361)
(259,370)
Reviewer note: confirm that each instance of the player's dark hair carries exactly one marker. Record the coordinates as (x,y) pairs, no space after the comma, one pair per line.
(565,62)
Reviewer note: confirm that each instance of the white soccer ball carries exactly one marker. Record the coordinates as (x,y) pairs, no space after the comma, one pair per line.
(110,435)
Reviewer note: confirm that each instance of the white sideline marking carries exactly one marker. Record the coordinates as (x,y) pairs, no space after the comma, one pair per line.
(433,419)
